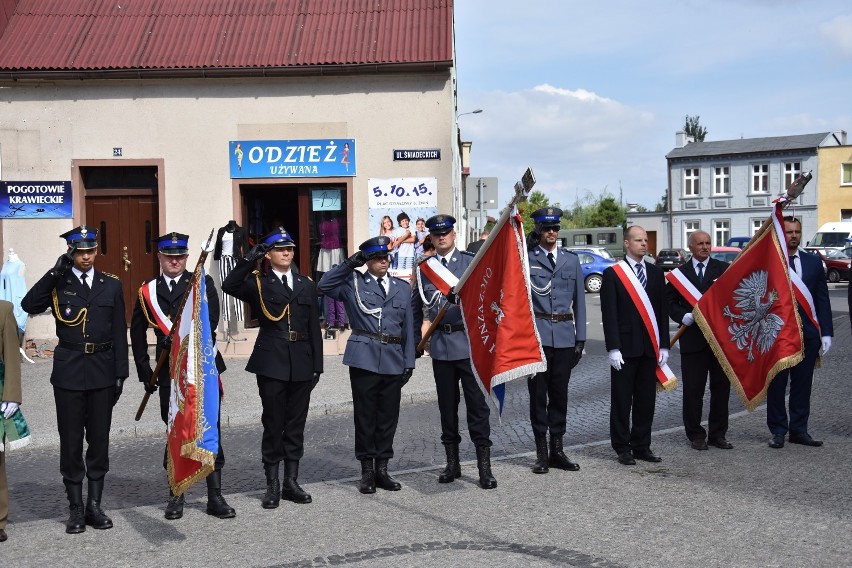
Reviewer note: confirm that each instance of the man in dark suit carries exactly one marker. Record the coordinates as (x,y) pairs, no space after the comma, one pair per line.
(701,271)
(631,347)
(450,353)
(477,244)
(157,306)
(287,356)
(559,303)
(807,269)
(379,353)
(90,365)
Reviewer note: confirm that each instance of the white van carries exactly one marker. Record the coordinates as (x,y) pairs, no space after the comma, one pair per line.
(831,236)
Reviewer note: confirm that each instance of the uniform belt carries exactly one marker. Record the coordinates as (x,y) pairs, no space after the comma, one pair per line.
(451,327)
(383,337)
(85,347)
(554,317)
(288,335)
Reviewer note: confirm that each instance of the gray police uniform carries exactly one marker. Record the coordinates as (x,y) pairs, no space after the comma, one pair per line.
(379,350)
(559,303)
(450,353)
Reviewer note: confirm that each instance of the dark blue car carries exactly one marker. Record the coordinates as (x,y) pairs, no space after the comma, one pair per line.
(593,266)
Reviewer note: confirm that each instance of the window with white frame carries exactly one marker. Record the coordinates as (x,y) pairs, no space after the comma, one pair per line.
(721,232)
(722,180)
(690,182)
(756,224)
(760,178)
(792,170)
(845,174)
(690,227)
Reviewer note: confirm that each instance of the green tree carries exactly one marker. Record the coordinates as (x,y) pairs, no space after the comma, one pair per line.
(693,128)
(535,201)
(608,213)
(663,205)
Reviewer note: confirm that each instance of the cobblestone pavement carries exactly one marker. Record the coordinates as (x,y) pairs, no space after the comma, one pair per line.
(751,506)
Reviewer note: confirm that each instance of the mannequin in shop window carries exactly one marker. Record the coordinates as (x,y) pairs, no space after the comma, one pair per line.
(231,244)
(330,255)
(13,287)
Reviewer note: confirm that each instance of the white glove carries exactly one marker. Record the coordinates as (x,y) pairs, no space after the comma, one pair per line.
(9,408)
(826,344)
(615,359)
(688,319)
(664,356)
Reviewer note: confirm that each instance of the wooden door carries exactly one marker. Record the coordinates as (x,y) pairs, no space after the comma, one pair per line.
(126,226)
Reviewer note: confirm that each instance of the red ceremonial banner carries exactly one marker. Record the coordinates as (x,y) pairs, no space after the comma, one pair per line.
(498,313)
(749,316)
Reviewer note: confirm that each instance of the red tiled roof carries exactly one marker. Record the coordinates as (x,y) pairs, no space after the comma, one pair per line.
(99,35)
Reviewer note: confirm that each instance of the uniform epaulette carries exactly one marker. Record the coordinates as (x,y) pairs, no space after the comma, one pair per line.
(308,277)
(110,275)
(467,253)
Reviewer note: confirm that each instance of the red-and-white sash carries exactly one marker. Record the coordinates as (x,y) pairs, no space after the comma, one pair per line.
(646,311)
(149,295)
(682,284)
(800,291)
(438,274)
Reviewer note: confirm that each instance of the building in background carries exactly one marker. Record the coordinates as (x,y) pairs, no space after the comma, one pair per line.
(182,116)
(726,187)
(835,184)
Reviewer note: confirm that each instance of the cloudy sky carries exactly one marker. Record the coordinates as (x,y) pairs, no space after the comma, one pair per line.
(590,94)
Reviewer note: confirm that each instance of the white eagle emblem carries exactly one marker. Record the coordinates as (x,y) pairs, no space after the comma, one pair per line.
(754,325)
(498,312)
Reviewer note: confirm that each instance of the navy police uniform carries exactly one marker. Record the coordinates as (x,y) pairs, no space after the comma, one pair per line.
(168,293)
(287,358)
(450,353)
(379,352)
(559,304)
(90,364)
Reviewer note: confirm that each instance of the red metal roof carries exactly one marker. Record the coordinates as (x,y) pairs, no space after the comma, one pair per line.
(97,35)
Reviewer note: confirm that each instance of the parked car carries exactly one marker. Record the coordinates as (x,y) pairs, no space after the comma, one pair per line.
(600,251)
(837,264)
(738,242)
(593,266)
(725,254)
(669,259)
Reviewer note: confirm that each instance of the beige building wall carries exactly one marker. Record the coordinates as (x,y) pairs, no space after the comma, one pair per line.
(45,127)
(833,195)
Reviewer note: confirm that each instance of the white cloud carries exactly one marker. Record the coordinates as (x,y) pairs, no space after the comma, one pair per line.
(575,140)
(838,33)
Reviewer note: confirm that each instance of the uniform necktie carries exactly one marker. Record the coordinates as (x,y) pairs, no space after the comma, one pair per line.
(551,259)
(444,261)
(171,285)
(286,286)
(83,278)
(381,286)
(700,272)
(640,274)
(793,263)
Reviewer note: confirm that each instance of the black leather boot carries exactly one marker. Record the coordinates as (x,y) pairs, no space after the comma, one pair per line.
(483,462)
(290,489)
(367,485)
(383,478)
(541,459)
(216,504)
(273,487)
(95,517)
(76,523)
(452,471)
(558,459)
(174,508)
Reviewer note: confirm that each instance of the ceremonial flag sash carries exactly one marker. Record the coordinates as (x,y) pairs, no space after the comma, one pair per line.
(637,293)
(497,310)
(148,293)
(438,274)
(749,316)
(804,298)
(682,284)
(193,438)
